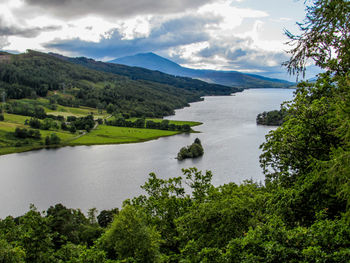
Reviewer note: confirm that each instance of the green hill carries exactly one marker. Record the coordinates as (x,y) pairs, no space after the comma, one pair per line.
(125,89)
(227,78)
(138,73)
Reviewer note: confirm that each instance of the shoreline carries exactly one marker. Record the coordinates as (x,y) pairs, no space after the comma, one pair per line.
(14,150)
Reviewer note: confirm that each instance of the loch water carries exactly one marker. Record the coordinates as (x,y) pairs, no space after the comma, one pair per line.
(104,176)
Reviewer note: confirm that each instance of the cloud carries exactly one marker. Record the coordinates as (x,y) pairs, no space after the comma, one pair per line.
(29,32)
(3,42)
(232,53)
(188,39)
(171,33)
(212,34)
(113,8)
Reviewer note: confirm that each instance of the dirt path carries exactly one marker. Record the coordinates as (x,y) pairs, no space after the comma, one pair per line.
(94,128)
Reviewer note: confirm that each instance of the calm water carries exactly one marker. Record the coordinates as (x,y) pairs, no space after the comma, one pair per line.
(103,176)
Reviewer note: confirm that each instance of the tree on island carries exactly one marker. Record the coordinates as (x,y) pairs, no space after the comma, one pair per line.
(192,151)
(271,118)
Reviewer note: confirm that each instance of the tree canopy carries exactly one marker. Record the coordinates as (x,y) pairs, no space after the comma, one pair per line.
(301,214)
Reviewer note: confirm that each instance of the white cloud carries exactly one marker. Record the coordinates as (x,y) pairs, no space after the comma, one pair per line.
(216,34)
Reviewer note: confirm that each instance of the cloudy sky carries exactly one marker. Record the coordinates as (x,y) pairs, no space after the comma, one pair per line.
(242,35)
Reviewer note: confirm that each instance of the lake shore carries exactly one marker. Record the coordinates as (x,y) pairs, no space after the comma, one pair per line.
(104,135)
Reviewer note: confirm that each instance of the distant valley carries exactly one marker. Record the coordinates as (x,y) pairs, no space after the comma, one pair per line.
(228,78)
(52,100)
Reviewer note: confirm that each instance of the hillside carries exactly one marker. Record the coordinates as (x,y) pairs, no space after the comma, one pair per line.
(136,92)
(228,78)
(138,73)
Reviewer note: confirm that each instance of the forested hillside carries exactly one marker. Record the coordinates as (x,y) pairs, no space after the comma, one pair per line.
(301,214)
(137,73)
(34,74)
(228,78)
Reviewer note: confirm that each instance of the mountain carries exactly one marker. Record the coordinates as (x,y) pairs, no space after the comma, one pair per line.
(78,82)
(143,74)
(228,78)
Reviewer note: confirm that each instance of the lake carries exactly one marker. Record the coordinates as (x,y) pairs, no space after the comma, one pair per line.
(103,176)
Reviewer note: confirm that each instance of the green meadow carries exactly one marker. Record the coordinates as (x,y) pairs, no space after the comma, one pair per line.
(102,134)
(78,112)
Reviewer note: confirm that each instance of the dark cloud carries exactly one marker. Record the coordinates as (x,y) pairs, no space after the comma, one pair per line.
(13,30)
(113,8)
(240,56)
(3,42)
(172,33)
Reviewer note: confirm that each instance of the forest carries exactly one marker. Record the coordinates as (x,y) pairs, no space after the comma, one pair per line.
(43,91)
(300,214)
(139,93)
(136,73)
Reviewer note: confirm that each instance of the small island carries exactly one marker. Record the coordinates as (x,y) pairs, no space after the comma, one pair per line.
(192,151)
(271,118)
(67,126)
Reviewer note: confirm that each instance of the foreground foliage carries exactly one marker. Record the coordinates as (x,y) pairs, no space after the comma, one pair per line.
(301,214)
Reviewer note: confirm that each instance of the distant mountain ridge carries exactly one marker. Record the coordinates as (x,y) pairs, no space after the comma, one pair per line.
(74,82)
(228,78)
(202,88)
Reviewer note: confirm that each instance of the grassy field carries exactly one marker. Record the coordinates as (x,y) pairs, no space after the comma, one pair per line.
(8,140)
(103,134)
(191,123)
(78,112)
(113,135)
(13,118)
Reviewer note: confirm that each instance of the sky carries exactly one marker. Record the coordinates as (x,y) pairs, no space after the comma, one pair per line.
(241,35)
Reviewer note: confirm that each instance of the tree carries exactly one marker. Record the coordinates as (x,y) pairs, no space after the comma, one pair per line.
(324,39)
(218,216)
(55,139)
(106,217)
(72,128)
(198,141)
(47,140)
(192,151)
(306,160)
(20,133)
(186,128)
(272,118)
(52,139)
(110,108)
(80,254)
(308,136)
(100,107)
(10,254)
(164,125)
(65,223)
(34,123)
(92,215)
(196,150)
(130,238)
(140,123)
(35,237)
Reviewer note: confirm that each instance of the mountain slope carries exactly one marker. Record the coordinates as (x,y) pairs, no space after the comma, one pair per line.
(228,78)
(34,74)
(138,73)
